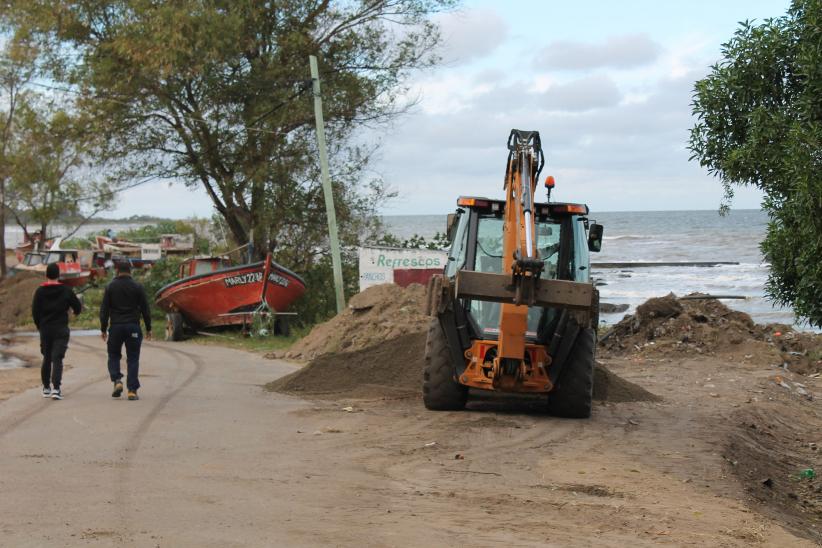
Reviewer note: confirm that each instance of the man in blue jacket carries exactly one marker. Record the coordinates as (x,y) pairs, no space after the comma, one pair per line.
(123,303)
(49,309)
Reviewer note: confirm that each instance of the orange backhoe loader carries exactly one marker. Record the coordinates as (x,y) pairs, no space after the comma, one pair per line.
(515,309)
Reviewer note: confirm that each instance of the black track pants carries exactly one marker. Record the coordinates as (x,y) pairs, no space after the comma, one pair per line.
(53,345)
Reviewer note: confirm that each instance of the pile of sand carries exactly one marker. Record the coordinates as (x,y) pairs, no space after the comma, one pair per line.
(15,298)
(376,349)
(377,314)
(706,326)
(613,388)
(393,368)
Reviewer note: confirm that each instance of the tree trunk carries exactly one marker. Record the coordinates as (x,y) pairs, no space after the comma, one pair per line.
(235,226)
(3,226)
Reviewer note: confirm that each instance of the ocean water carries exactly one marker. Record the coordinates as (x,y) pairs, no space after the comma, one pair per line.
(665,236)
(14,234)
(655,236)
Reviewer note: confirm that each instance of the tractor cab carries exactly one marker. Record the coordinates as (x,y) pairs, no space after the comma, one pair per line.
(515,309)
(564,237)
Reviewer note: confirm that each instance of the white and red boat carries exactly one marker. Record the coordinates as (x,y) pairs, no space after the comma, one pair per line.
(31,242)
(211,292)
(72,272)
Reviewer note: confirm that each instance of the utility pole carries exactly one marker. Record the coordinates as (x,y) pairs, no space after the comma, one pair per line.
(336,260)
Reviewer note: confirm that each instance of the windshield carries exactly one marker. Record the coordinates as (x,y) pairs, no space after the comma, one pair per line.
(488,258)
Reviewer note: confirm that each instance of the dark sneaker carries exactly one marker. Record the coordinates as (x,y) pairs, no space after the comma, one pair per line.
(132,395)
(118,389)
(56,394)
(46,392)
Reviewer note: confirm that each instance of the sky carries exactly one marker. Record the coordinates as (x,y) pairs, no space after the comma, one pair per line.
(607,84)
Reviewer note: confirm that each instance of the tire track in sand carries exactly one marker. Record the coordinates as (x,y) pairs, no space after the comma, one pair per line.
(38,407)
(124,466)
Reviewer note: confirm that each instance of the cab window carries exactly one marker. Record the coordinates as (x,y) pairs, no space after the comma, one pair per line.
(459,247)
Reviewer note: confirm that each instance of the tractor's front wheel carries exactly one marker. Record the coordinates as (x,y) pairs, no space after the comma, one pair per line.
(440,390)
(574,391)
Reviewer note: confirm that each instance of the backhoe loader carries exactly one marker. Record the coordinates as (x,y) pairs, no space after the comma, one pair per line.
(515,309)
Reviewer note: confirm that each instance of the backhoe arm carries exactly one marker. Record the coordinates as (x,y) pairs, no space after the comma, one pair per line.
(520,257)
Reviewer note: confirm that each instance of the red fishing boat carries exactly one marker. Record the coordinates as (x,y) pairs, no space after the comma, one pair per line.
(211,292)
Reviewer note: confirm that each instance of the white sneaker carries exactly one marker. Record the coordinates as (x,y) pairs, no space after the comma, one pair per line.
(46,392)
(56,394)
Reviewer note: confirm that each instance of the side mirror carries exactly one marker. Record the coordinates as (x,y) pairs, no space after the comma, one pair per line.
(595,238)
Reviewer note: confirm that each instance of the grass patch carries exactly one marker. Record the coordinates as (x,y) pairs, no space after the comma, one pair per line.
(235,339)
(89,318)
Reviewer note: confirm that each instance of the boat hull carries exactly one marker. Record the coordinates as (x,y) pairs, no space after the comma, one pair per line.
(72,277)
(229,296)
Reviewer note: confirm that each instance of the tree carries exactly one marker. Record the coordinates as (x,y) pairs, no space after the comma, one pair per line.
(52,164)
(16,69)
(760,123)
(217,94)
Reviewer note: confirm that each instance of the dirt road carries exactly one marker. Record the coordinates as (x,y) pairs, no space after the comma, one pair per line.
(207,457)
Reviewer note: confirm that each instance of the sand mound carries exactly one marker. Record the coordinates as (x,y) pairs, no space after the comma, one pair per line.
(705,323)
(390,367)
(15,298)
(609,387)
(672,325)
(393,368)
(377,314)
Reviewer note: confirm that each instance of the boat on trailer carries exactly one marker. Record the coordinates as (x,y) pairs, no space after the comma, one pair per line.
(211,292)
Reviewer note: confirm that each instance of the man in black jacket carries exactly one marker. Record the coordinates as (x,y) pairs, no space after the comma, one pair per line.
(49,309)
(123,303)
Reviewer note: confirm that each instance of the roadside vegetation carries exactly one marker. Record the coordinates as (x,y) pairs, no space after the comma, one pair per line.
(232,117)
(760,124)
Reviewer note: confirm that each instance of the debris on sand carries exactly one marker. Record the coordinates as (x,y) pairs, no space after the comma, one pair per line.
(771,446)
(15,298)
(706,326)
(379,313)
(609,308)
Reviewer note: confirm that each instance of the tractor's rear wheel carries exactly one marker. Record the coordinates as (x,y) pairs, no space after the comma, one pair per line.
(574,391)
(440,390)
(174,326)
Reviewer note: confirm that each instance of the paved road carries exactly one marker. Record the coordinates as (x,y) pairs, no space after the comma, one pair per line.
(194,462)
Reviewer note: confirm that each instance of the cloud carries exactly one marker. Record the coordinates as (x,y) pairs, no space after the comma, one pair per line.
(612,153)
(587,93)
(471,34)
(621,52)
(488,95)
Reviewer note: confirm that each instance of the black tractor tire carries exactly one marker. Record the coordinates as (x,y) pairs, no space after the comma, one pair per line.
(440,389)
(572,397)
(174,326)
